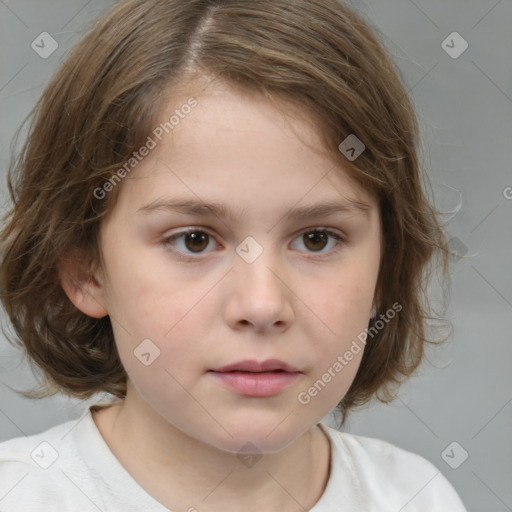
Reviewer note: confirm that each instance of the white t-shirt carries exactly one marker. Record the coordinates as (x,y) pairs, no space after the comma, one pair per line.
(70,467)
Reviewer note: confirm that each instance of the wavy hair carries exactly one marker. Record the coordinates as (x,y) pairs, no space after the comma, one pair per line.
(101,105)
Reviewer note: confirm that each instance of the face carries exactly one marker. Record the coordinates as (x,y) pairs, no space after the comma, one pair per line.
(248,279)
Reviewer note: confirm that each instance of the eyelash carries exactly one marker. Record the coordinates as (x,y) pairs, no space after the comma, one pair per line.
(340,240)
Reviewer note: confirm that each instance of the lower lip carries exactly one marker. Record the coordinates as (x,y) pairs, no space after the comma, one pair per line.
(257,384)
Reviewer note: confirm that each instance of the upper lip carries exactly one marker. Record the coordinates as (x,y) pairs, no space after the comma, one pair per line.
(251,365)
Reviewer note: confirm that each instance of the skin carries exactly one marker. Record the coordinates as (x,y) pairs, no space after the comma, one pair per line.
(179,430)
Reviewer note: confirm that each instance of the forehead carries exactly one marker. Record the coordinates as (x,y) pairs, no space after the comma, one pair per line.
(241,147)
(247,117)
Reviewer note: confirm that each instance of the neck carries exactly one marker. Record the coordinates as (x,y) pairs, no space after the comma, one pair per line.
(183,473)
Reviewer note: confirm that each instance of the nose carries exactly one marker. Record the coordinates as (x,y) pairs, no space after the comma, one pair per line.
(260,295)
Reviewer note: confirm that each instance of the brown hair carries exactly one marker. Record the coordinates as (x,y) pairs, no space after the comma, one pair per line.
(101,106)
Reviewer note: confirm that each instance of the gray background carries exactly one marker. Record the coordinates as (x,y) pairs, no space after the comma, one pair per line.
(463,392)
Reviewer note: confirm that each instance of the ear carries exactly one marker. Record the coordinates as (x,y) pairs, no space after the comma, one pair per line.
(83,286)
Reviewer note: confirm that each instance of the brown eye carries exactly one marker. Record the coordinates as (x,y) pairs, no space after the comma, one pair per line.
(315,240)
(189,242)
(321,242)
(196,241)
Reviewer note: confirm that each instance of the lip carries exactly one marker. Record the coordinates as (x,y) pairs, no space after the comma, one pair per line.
(251,365)
(255,378)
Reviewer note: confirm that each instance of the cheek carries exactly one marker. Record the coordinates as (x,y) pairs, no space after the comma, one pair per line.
(168,390)
(174,315)
(340,305)
(146,297)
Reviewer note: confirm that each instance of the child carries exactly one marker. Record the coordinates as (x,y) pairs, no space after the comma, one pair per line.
(277,137)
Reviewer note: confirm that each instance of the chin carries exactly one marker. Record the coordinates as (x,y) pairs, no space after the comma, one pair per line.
(267,437)
(240,445)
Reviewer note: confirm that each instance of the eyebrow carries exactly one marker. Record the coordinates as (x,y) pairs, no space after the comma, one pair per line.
(205,208)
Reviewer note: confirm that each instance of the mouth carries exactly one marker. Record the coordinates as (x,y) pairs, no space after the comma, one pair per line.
(257,379)
(253,366)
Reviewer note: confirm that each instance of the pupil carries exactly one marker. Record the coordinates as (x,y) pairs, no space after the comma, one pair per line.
(198,241)
(315,238)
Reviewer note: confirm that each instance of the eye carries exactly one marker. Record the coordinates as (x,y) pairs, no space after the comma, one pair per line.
(317,239)
(195,241)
